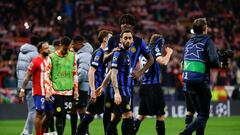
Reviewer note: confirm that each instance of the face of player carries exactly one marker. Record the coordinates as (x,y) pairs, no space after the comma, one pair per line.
(206,30)
(106,39)
(64,49)
(127,40)
(77,45)
(45,49)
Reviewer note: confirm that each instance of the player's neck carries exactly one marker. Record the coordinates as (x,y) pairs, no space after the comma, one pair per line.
(103,45)
(42,56)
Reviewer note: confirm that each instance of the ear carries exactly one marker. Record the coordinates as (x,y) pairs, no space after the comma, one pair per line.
(121,39)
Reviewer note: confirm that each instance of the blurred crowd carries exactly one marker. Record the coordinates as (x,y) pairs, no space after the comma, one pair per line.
(19,19)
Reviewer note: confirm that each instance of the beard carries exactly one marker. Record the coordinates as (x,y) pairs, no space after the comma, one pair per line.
(45,54)
(64,51)
(126,46)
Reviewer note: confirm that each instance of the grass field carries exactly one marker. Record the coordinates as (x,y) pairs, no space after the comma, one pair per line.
(215,126)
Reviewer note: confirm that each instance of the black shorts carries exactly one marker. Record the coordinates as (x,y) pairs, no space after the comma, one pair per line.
(151,100)
(62,104)
(189,103)
(97,107)
(108,100)
(82,99)
(124,107)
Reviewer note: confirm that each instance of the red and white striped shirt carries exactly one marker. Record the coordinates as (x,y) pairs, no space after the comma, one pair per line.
(37,68)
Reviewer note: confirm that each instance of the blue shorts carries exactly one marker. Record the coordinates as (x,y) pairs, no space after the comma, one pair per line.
(41,104)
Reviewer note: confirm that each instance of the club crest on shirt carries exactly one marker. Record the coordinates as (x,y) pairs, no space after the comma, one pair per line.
(128,107)
(157,50)
(133,49)
(107,104)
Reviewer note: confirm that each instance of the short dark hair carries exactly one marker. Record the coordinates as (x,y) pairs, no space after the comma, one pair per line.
(66,41)
(78,38)
(125,31)
(128,19)
(102,34)
(39,46)
(199,25)
(56,42)
(34,40)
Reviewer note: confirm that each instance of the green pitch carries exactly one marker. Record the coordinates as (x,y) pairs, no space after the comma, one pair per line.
(215,126)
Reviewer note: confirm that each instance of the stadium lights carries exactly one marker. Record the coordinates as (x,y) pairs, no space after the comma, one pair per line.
(26,25)
(59,18)
(191,31)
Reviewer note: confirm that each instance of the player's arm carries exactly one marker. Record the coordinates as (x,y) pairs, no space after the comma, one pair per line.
(163,60)
(91,78)
(75,78)
(146,53)
(114,68)
(100,89)
(26,78)
(137,74)
(117,97)
(106,79)
(47,80)
(212,53)
(107,55)
(148,64)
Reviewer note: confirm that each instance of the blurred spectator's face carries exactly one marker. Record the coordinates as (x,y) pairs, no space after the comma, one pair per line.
(45,49)
(125,26)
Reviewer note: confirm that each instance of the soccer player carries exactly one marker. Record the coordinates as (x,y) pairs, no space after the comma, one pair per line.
(96,76)
(27,53)
(127,21)
(199,57)
(120,68)
(41,97)
(56,44)
(151,95)
(83,51)
(61,79)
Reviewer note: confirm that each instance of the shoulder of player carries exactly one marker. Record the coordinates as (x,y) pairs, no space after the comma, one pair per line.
(36,59)
(136,38)
(98,52)
(116,53)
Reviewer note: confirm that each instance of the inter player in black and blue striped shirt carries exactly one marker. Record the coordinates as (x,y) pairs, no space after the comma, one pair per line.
(139,47)
(120,69)
(96,76)
(151,95)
